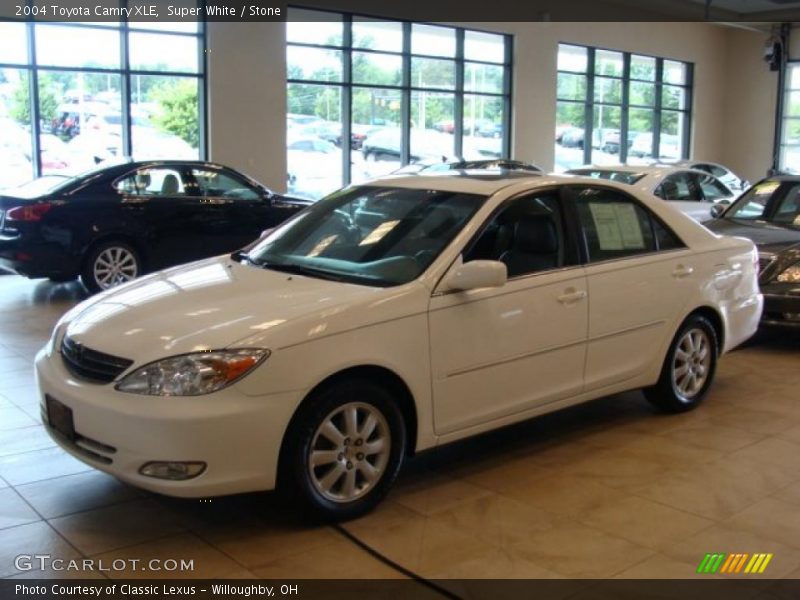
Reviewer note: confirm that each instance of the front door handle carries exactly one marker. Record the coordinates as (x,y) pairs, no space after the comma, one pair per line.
(682,271)
(571,295)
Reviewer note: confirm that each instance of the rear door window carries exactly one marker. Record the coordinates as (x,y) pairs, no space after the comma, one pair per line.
(158,181)
(615,226)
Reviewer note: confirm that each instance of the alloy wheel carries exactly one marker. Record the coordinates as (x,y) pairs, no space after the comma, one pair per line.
(349,452)
(691,363)
(113,266)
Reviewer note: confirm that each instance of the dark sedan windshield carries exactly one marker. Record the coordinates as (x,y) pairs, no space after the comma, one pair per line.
(770,201)
(371,235)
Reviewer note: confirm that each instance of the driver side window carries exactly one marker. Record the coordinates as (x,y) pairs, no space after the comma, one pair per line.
(527,235)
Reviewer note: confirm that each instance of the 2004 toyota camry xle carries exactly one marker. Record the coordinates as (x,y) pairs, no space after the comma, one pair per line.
(390,318)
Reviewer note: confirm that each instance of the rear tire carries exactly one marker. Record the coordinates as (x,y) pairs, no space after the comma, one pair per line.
(110,264)
(343,450)
(688,369)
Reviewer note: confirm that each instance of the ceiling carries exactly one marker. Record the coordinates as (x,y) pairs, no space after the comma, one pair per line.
(777,10)
(751,6)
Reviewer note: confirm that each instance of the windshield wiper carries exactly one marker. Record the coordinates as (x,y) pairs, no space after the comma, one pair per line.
(297,270)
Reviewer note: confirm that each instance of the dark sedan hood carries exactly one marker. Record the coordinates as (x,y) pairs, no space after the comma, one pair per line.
(767,236)
(778,247)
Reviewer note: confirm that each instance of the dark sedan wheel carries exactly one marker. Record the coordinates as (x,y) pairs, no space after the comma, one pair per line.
(688,369)
(110,264)
(344,450)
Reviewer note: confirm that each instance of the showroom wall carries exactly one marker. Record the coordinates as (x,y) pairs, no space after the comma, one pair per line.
(734,92)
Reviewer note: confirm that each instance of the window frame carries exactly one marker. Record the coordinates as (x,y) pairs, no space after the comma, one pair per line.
(35,26)
(406,87)
(625,105)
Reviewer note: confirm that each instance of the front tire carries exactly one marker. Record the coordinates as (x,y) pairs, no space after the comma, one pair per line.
(688,369)
(344,450)
(110,264)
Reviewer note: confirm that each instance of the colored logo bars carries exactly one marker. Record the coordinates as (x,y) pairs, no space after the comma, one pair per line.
(720,562)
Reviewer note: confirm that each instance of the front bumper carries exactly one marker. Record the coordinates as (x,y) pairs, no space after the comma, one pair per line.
(781,305)
(237,436)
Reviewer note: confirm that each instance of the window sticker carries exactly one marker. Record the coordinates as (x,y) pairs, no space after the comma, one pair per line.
(767,187)
(617,226)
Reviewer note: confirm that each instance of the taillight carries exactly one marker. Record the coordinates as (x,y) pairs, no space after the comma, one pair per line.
(30,212)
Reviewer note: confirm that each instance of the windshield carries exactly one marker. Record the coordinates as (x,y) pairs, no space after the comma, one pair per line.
(377,236)
(628,177)
(770,201)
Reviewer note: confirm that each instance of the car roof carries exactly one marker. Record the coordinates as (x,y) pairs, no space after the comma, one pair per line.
(481,181)
(129,165)
(654,170)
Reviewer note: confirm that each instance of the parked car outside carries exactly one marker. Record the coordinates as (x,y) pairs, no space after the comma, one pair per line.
(314,167)
(426,144)
(113,224)
(330,132)
(610,142)
(769,215)
(692,192)
(391,318)
(642,146)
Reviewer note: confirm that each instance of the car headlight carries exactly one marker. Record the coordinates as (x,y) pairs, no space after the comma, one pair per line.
(790,275)
(193,374)
(55,339)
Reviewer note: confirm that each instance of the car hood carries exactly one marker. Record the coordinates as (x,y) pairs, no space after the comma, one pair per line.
(769,238)
(218,303)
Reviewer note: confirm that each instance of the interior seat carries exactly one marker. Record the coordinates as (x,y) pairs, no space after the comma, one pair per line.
(534,247)
(170,185)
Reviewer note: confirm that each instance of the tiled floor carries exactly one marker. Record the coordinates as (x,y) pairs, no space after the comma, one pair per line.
(607,489)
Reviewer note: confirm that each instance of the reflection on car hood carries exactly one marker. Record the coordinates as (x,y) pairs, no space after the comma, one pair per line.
(769,237)
(213,304)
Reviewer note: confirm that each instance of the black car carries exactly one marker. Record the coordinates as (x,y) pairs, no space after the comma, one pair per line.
(769,214)
(112,224)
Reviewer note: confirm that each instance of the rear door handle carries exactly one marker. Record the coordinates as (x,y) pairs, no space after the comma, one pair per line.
(682,271)
(571,295)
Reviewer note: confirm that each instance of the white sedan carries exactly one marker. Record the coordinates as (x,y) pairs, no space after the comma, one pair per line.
(690,191)
(389,318)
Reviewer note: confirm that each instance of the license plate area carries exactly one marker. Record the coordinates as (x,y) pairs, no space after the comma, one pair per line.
(59,416)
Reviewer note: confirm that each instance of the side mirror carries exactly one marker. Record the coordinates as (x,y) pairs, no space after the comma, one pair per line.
(718,209)
(475,274)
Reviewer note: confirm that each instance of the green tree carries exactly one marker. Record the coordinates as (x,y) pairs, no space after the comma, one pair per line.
(20,109)
(178,102)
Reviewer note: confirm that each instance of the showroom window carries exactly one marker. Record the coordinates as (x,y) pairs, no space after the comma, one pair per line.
(790,128)
(74,96)
(617,107)
(382,94)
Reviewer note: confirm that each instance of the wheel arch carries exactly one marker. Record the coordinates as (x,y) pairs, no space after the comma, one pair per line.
(378,375)
(114,236)
(713,316)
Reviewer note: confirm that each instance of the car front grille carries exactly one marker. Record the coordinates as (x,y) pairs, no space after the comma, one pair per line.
(90,364)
